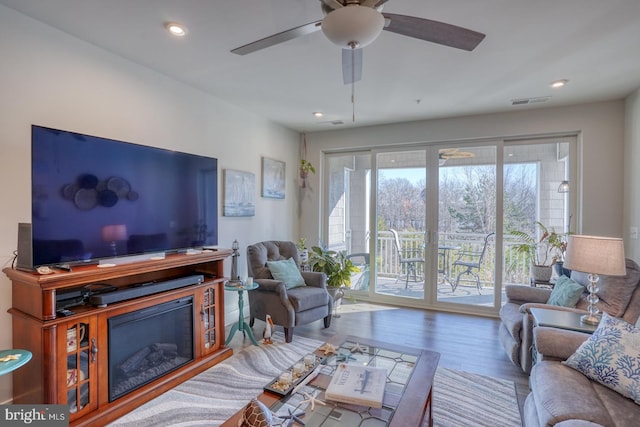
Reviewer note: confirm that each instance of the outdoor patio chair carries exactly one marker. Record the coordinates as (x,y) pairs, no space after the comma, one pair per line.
(409,258)
(469,262)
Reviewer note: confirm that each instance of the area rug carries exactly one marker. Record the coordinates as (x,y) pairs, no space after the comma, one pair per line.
(210,398)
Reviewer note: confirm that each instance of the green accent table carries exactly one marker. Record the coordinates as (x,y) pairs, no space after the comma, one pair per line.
(23,356)
(241,325)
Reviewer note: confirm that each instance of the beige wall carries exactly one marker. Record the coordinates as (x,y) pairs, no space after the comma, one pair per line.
(632,173)
(600,128)
(52,79)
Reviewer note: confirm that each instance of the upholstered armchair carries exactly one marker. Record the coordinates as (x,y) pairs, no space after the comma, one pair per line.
(296,298)
(619,296)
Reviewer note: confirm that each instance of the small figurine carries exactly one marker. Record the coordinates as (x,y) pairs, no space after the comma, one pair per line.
(268,330)
(255,414)
(327,349)
(357,348)
(312,400)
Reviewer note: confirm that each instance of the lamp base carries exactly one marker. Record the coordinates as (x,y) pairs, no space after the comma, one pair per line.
(590,319)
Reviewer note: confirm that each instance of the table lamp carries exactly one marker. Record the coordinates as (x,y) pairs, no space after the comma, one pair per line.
(113,234)
(595,255)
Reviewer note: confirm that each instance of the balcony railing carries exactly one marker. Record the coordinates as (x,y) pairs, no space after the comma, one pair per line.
(516,265)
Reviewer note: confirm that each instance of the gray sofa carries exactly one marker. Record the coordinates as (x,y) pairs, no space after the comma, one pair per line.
(619,296)
(561,396)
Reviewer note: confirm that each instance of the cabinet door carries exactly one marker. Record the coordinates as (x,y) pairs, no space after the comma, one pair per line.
(80,365)
(208,320)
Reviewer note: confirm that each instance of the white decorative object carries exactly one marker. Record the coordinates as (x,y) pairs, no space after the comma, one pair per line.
(268,330)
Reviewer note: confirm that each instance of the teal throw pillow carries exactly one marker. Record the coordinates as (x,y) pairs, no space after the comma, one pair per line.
(566,292)
(611,356)
(286,271)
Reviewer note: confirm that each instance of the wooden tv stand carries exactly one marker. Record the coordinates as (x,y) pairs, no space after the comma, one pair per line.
(60,344)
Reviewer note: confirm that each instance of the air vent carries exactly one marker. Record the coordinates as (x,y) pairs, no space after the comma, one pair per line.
(337,122)
(525,101)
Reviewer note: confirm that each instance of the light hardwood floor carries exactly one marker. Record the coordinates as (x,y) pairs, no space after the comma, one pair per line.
(465,342)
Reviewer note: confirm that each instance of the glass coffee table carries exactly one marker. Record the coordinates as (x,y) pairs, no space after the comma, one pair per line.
(407,396)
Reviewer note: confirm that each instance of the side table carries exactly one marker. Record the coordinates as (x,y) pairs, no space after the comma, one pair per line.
(560,319)
(241,325)
(10,360)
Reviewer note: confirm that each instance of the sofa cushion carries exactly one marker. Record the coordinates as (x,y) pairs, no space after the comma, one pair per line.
(566,292)
(563,394)
(611,356)
(286,271)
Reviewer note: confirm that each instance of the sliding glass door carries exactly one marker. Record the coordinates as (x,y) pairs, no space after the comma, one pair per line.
(431,225)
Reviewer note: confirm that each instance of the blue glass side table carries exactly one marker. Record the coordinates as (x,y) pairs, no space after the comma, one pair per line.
(243,326)
(10,360)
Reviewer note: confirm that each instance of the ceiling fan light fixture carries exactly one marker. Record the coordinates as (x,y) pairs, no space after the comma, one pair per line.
(353,26)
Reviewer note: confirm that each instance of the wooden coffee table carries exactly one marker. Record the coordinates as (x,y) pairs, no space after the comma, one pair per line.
(407,401)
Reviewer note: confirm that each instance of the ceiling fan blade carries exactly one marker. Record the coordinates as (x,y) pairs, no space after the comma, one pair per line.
(278,38)
(433,31)
(332,4)
(351,65)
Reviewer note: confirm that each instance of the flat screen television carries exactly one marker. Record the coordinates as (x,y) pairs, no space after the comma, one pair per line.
(96,198)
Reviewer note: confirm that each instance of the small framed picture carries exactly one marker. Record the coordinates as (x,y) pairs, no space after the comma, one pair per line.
(239,193)
(273,178)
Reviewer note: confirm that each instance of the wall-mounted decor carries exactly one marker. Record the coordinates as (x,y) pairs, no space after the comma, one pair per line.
(273,178)
(239,191)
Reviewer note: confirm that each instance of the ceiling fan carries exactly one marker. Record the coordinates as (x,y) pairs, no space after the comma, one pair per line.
(353,24)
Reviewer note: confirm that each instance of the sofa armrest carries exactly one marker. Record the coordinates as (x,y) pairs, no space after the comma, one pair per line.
(557,344)
(522,294)
(313,278)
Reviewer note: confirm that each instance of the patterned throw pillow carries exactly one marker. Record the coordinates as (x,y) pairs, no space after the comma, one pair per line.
(286,271)
(611,356)
(565,293)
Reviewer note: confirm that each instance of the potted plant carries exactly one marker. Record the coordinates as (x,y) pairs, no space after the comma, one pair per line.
(543,252)
(305,168)
(335,265)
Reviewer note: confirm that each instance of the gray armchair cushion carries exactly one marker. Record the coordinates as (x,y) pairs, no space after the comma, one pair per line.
(260,253)
(307,297)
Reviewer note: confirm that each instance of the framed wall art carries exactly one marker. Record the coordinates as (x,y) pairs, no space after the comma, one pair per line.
(273,178)
(239,193)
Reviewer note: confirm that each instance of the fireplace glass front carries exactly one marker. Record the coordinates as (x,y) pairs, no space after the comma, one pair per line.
(149,343)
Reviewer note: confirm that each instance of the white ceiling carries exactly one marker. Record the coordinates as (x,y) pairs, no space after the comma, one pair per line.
(593,43)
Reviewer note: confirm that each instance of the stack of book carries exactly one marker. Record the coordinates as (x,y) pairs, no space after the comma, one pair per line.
(357,384)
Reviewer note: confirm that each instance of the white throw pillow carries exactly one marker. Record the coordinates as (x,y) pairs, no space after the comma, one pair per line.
(611,356)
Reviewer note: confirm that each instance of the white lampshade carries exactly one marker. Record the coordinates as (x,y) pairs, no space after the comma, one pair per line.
(112,233)
(353,24)
(596,255)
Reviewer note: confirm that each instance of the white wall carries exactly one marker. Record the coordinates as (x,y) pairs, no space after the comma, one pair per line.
(601,149)
(52,79)
(632,173)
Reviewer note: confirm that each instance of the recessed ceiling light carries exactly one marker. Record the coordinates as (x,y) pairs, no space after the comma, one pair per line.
(318,114)
(176,29)
(559,83)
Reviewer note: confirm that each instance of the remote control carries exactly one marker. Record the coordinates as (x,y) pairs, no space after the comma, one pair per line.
(64,312)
